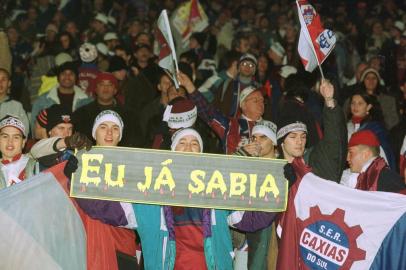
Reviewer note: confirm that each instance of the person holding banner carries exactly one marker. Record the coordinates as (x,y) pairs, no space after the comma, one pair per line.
(178,237)
(103,240)
(262,245)
(175,237)
(327,157)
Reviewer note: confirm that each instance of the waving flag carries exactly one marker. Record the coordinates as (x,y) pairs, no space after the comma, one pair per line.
(330,226)
(189,18)
(315,43)
(167,54)
(39,226)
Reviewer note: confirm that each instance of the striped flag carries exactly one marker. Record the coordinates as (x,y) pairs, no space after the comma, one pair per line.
(190,18)
(167,53)
(331,226)
(315,42)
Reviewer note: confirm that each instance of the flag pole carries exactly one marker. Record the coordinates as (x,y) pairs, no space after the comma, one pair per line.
(307,35)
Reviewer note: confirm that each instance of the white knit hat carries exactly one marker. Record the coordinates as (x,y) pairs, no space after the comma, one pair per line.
(88,52)
(184,132)
(246,92)
(12,121)
(108,116)
(266,128)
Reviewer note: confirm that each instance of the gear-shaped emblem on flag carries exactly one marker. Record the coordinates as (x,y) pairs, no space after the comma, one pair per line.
(327,242)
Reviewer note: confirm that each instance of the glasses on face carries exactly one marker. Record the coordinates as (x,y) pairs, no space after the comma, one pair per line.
(247,64)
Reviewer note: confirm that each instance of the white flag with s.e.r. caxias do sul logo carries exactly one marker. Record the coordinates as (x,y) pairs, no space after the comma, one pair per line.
(331,226)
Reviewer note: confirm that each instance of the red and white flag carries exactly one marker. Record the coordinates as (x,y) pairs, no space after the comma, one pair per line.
(190,18)
(315,42)
(167,53)
(330,226)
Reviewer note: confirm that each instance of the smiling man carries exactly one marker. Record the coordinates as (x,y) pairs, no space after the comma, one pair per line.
(107,128)
(66,93)
(105,99)
(15,167)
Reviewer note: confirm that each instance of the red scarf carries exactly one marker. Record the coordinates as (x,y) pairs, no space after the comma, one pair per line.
(357,119)
(368,180)
(15,158)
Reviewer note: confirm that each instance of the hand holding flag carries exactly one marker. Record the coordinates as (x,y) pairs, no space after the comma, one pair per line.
(167,54)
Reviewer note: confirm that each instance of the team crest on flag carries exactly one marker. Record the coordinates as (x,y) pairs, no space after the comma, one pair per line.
(308,13)
(327,242)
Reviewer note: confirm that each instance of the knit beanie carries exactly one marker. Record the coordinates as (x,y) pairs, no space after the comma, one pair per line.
(364,137)
(13,121)
(266,128)
(108,116)
(182,114)
(53,116)
(184,132)
(286,126)
(246,92)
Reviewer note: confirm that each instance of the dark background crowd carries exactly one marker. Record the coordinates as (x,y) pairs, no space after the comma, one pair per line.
(43,35)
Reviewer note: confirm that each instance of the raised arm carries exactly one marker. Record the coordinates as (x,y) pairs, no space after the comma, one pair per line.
(327,158)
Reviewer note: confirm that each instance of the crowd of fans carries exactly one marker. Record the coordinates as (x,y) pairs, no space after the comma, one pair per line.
(68,66)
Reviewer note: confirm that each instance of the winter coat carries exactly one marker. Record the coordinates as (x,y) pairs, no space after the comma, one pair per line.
(328,156)
(47,100)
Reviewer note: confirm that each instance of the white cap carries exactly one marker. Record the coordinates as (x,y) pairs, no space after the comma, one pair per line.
(102,48)
(184,132)
(399,25)
(246,92)
(110,36)
(88,52)
(101,18)
(108,116)
(62,58)
(287,70)
(266,128)
(278,49)
(111,20)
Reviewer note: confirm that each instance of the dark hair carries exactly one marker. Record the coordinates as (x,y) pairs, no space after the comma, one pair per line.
(375,113)
(237,41)
(295,87)
(229,58)
(190,57)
